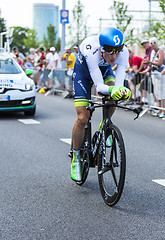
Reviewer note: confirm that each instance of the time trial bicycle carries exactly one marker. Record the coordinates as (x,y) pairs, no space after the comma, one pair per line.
(106,150)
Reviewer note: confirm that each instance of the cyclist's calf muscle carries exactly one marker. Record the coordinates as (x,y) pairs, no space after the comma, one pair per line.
(79,126)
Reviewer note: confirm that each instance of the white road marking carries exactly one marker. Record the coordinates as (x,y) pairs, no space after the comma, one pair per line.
(160,181)
(28,121)
(66,140)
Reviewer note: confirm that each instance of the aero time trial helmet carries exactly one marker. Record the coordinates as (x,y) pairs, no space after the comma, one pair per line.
(111,40)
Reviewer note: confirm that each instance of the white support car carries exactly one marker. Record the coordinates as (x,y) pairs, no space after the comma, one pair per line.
(17,90)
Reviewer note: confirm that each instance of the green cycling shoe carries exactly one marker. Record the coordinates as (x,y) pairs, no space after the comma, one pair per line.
(76,174)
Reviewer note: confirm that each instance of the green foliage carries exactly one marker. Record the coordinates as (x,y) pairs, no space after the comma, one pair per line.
(31,40)
(155,29)
(2,25)
(19,34)
(50,40)
(58,45)
(3,28)
(162,5)
(120,15)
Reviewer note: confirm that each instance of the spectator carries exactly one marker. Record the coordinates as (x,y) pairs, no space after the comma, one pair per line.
(162,114)
(41,64)
(36,63)
(70,61)
(15,51)
(135,63)
(27,64)
(76,49)
(57,70)
(157,66)
(32,55)
(49,66)
(129,75)
(19,57)
(41,60)
(144,72)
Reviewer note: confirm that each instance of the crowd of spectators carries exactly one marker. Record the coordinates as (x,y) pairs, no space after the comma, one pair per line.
(47,66)
(147,73)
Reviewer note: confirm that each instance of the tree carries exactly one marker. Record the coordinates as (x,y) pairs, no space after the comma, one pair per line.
(120,16)
(122,20)
(162,5)
(19,34)
(31,39)
(50,40)
(77,28)
(3,28)
(58,45)
(156,28)
(2,25)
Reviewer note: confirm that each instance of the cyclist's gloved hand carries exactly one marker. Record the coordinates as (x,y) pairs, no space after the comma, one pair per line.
(127,92)
(115,92)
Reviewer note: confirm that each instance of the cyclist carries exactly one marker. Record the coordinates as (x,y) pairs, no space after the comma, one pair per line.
(93,65)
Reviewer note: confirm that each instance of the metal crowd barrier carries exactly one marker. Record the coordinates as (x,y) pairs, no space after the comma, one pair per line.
(149,90)
(59,83)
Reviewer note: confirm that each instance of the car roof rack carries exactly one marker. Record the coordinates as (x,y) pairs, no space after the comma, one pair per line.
(2,50)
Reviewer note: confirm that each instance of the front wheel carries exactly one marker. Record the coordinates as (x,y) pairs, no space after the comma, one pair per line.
(111,165)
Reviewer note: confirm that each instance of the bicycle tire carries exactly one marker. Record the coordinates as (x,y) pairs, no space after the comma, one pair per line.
(112,168)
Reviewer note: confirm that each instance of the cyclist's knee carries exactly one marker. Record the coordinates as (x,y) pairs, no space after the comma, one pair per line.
(82,119)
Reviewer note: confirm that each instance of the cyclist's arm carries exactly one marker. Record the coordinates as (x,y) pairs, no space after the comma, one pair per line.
(95,72)
(122,63)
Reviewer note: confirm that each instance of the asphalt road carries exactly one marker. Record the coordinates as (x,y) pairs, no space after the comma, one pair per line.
(39,201)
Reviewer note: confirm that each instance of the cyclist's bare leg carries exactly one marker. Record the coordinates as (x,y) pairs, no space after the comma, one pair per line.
(79,126)
(82,118)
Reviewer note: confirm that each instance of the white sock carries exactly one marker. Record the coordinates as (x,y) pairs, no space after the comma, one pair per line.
(77,153)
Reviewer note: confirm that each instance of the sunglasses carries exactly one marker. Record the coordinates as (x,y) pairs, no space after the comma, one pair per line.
(153,43)
(113,50)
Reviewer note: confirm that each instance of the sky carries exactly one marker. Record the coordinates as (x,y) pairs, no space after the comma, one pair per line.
(20,12)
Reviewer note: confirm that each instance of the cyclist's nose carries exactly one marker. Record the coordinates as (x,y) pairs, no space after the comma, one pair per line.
(114,55)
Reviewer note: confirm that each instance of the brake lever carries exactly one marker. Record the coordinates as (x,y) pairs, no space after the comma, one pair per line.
(137,111)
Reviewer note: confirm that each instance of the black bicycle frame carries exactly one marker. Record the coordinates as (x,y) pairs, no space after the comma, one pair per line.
(88,129)
(106,121)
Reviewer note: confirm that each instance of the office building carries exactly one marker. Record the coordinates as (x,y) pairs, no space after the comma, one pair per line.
(43,15)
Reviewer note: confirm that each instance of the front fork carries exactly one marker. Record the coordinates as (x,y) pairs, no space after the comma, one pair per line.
(102,147)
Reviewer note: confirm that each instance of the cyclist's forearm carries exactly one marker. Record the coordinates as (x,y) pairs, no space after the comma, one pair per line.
(120,75)
(102,88)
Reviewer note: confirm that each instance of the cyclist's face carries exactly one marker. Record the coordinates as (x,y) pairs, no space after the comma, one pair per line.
(110,58)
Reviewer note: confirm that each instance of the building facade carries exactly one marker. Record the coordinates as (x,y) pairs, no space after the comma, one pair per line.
(43,15)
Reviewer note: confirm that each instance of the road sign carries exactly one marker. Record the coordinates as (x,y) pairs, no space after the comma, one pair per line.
(64,16)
